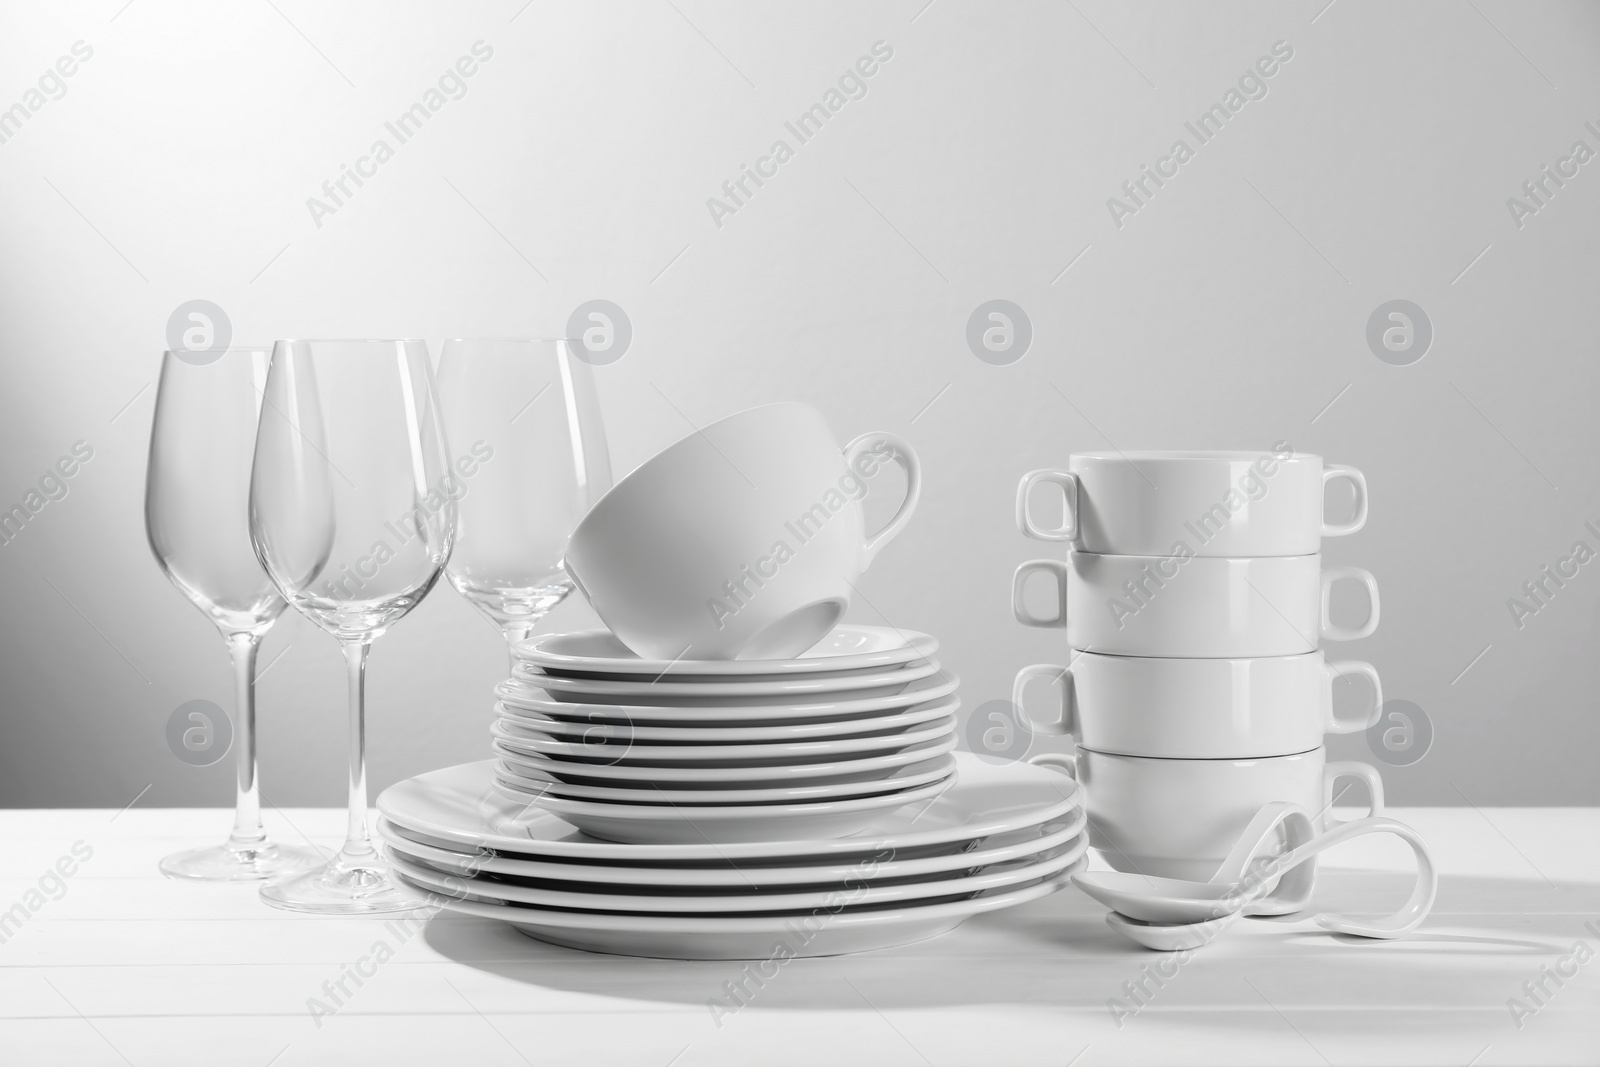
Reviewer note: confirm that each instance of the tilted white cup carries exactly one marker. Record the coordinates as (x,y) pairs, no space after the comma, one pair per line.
(740,541)
(1215,503)
(1199,708)
(1179,818)
(1194,606)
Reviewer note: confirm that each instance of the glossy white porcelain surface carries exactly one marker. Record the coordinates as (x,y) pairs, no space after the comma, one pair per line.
(1194,606)
(748,876)
(1178,818)
(1268,503)
(670,692)
(1197,708)
(801,708)
(862,888)
(510,776)
(847,647)
(859,767)
(626,751)
(830,931)
(740,541)
(460,804)
(891,720)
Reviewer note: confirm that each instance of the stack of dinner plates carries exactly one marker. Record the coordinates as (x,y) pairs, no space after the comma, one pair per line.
(1000,836)
(721,751)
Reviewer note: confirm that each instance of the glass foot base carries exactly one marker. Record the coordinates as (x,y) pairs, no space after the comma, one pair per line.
(230,863)
(343,887)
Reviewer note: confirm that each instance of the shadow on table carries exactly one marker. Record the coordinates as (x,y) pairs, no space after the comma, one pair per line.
(1054,951)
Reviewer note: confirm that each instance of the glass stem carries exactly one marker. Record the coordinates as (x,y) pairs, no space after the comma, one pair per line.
(515,633)
(357,845)
(248,834)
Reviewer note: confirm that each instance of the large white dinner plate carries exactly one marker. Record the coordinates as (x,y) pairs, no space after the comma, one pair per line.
(460,804)
(861,888)
(892,721)
(598,653)
(751,875)
(806,933)
(918,774)
(689,824)
(728,691)
(807,709)
(645,754)
(868,768)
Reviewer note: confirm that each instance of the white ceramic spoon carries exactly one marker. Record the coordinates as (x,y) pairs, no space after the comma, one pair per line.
(1278,828)
(1230,902)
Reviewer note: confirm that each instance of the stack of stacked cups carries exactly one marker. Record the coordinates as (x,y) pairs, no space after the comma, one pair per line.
(1194,599)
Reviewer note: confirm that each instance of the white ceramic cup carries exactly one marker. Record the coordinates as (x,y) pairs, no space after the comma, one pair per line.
(1194,606)
(1199,708)
(740,541)
(1179,818)
(1216,503)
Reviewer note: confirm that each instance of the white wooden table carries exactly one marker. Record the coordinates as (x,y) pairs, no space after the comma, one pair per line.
(116,965)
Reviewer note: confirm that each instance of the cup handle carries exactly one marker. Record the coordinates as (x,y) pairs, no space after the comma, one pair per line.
(1350,769)
(1335,725)
(1345,633)
(1070,487)
(1066,761)
(903,454)
(1068,723)
(1047,566)
(1358,482)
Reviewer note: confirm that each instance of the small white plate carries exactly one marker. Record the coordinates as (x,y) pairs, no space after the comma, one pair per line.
(754,875)
(460,804)
(520,694)
(650,793)
(639,754)
(801,934)
(848,648)
(692,824)
(729,691)
(860,769)
(858,889)
(889,722)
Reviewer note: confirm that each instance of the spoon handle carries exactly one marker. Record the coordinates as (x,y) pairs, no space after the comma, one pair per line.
(1277,828)
(1414,910)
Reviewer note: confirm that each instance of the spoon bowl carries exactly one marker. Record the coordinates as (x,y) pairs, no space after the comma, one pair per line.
(1160,900)
(1151,898)
(1170,937)
(1242,879)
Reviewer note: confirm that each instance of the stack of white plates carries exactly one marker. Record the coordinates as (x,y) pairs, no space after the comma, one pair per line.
(999,837)
(697,752)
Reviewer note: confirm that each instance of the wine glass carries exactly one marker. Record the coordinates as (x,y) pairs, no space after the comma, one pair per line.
(352,513)
(524,417)
(195,515)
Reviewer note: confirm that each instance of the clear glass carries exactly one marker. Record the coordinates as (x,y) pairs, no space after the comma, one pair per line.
(523,417)
(352,514)
(196,498)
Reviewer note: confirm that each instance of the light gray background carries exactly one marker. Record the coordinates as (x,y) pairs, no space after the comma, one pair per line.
(1229,312)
